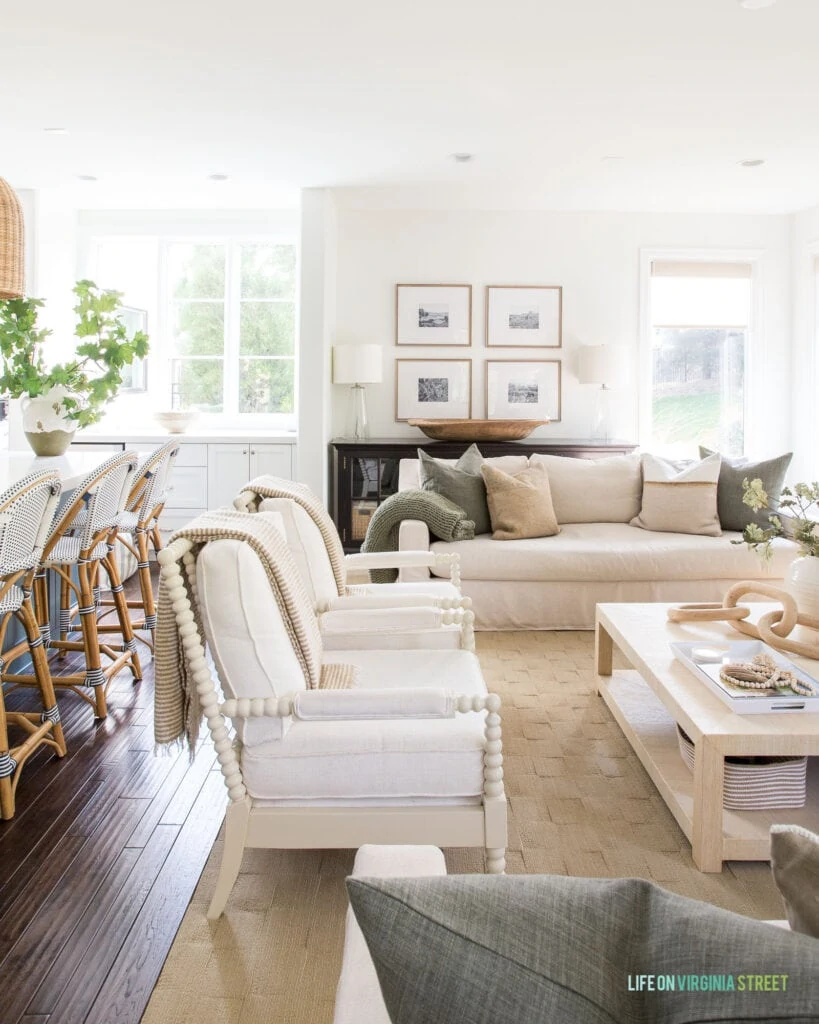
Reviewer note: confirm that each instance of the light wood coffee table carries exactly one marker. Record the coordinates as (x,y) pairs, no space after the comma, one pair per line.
(661,692)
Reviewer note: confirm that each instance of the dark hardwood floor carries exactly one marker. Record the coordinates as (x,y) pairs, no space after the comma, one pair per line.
(100,861)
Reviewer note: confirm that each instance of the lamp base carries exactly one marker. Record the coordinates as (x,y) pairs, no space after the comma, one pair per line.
(357,426)
(601,428)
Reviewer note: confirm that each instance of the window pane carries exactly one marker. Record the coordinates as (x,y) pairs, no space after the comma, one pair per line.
(197,384)
(267,329)
(266,385)
(268,271)
(199,328)
(697,389)
(196,271)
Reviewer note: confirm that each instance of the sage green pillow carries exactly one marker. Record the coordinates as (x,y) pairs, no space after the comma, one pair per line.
(733,513)
(461,483)
(544,949)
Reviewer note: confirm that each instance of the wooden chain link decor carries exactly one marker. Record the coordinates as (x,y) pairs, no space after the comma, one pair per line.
(773,628)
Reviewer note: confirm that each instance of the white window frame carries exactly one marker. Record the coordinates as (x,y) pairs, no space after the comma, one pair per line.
(755,351)
(233,300)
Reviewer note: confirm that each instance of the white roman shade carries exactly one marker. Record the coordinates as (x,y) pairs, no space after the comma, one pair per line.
(692,293)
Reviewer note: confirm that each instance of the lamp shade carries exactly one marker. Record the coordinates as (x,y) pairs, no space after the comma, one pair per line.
(600,364)
(12,244)
(357,364)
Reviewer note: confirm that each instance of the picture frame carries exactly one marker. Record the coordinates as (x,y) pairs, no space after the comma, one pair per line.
(523,389)
(524,316)
(433,389)
(433,314)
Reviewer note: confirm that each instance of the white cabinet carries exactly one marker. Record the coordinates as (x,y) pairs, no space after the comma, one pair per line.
(230,466)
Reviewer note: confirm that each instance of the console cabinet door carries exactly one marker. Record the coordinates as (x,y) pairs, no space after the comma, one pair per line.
(228,472)
(273,459)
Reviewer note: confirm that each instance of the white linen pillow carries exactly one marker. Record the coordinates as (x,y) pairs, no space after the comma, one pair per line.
(593,490)
(679,497)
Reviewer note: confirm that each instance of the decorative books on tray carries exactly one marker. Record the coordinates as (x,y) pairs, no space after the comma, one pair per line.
(706,660)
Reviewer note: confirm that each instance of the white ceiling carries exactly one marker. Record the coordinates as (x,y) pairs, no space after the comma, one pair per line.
(157,95)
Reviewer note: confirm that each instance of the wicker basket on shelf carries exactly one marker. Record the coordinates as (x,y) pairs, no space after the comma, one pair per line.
(756,783)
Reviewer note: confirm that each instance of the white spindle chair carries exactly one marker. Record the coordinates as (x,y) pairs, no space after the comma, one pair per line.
(413,754)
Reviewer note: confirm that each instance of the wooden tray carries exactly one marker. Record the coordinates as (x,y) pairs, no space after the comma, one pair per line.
(477,430)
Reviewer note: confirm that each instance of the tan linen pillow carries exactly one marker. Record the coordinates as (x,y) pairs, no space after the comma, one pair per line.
(795,866)
(593,490)
(679,497)
(520,505)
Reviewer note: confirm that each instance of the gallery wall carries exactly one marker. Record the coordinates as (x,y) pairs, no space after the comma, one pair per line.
(595,257)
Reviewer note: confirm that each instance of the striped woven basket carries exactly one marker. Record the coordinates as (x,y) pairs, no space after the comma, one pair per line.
(759,783)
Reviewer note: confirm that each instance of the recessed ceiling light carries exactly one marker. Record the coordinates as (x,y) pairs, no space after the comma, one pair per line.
(751,163)
(755,5)
(86,177)
(462,158)
(55,131)
(218,177)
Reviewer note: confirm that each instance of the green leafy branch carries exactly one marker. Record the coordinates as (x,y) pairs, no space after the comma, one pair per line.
(94,376)
(798,505)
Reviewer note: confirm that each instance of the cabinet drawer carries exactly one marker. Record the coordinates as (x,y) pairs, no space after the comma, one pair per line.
(188,487)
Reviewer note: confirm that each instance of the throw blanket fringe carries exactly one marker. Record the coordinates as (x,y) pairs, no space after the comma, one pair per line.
(177,712)
(445,519)
(274,487)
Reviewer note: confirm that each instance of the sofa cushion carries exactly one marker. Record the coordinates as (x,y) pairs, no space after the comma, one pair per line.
(540,948)
(613,551)
(461,483)
(795,866)
(679,497)
(734,514)
(377,760)
(520,504)
(594,490)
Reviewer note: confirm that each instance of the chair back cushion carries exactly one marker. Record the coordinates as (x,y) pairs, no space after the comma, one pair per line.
(307,547)
(593,490)
(245,632)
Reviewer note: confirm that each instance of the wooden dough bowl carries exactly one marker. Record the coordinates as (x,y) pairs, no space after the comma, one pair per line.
(477,430)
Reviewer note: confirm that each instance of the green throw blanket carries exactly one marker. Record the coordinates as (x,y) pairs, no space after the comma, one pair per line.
(445,519)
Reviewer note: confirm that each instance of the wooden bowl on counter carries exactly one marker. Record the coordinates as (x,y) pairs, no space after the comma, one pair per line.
(477,430)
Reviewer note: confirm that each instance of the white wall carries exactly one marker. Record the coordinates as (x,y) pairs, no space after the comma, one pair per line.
(594,256)
(805,349)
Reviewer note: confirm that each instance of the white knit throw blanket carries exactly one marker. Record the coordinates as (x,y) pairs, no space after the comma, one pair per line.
(177,715)
(274,487)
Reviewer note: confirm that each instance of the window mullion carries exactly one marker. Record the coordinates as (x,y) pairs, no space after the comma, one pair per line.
(233,292)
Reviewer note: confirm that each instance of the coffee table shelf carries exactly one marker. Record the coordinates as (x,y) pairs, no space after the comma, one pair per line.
(660,692)
(652,733)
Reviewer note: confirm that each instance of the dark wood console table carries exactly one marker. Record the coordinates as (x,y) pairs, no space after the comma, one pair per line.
(364,473)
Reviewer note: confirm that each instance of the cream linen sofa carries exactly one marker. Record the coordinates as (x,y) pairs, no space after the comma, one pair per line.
(555,582)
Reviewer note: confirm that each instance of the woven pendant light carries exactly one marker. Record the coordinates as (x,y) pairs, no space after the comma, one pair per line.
(12,243)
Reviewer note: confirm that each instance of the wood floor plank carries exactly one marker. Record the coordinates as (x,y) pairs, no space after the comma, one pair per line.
(72,984)
(129,983)
(179,807)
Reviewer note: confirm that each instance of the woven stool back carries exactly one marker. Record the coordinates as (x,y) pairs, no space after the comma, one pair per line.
(104,493)
(149,486)
(26,514)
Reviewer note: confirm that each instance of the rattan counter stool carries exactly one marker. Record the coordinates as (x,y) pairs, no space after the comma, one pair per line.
(26,514)
(138,531)
(82,540)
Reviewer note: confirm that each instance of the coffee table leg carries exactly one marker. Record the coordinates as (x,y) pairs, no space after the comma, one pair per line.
(706,836)
(602,651)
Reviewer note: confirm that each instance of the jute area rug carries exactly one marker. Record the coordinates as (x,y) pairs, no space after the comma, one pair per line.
(580,804)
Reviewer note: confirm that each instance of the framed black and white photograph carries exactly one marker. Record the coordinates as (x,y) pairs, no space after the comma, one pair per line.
(433,314)
(523,316)
(433,389)
(525,390)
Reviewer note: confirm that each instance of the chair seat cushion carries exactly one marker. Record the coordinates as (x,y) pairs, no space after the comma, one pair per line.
(377,761)
(584,552)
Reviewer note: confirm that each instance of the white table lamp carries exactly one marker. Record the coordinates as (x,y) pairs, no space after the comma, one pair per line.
(603,365)
(357,365)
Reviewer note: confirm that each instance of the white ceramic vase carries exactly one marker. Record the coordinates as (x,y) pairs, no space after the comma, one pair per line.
(803,583)
(46,426)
